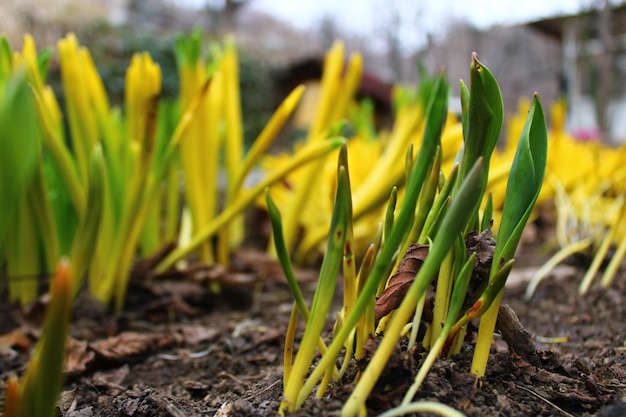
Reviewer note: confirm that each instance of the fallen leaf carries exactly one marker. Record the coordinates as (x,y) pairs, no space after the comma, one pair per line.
(16,339)
(78,357)
(482,245)
(129,344)
(108,378)
(35,312)
(400,282)
(266,335)
(67,401)
(193,334)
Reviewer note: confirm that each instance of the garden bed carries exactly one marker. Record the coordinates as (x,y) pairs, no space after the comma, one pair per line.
(178,350)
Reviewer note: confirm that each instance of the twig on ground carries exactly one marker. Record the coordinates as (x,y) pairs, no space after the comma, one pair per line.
(565,413)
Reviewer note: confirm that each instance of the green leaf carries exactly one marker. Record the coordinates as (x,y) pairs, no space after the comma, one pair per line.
(187,49)
(435,117)
(44,378)
(65,216)
(20,144)
(86,238)
(23,261)
(465,103)
(324,293)
(484,118)
(43,58)
(459,292)
(457,216)
(524,184)
(6,57)
(389,213)
(283,255)
(487,214)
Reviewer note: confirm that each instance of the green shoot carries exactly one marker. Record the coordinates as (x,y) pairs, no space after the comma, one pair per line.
(325,289)
(43,380)
(524,184)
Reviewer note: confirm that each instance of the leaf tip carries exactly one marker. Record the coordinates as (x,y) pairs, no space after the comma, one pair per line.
(62,276)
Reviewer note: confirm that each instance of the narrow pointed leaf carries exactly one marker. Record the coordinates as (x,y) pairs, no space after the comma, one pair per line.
(484,118)
(525,180)
(325,290)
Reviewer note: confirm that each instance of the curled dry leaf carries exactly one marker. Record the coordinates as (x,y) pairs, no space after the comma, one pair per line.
(67,401)
(35,312)
(16,339)
(11,343)
(78,357)
(400,282)
(129,344)
(483,245)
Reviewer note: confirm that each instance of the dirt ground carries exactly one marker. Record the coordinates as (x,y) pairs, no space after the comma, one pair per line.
(178,350)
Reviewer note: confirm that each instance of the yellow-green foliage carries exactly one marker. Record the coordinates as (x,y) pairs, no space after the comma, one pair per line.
(430,218)
(96,189)
(36,394)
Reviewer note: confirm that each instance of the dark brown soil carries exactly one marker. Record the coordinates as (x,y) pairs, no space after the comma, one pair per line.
(179,351)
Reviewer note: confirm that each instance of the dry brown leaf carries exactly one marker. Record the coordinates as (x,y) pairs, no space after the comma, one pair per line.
(35,312)
(400,282)
(130,344)
(268,335)
(193,334)
(78,357)
(483,245)
(67,401)
(16,339)
(113,377)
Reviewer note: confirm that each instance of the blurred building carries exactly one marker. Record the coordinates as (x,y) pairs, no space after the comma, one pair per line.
(581,57)
(308,71)
(593,69)
(49,20)
(523,60)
